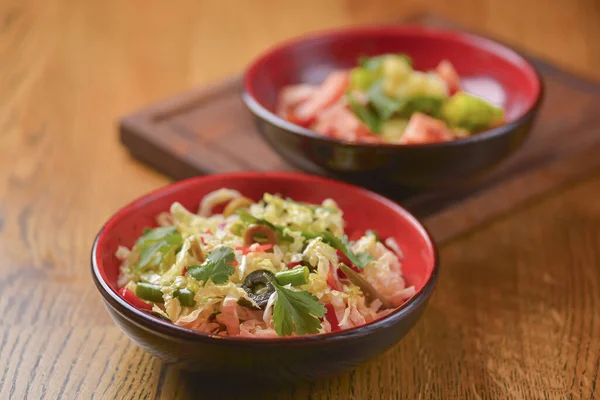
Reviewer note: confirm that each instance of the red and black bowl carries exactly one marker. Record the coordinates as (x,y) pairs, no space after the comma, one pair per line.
(279,359)
(311,58)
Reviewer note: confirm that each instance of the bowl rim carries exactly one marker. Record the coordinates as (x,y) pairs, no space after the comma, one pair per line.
(505,51)
(148,322)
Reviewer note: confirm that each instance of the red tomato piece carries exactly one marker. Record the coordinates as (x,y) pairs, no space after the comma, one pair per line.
(330,91)
(423,129)
(446,71)
(332,318)
(132,299)
(292,96)
(339,122)
(259,248)
(332,281)
(290,116)
(344,259)
(294,264)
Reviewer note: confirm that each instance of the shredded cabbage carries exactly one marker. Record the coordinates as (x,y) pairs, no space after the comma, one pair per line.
(187,239)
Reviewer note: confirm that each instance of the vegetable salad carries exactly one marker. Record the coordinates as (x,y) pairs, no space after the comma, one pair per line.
(385,100)
(262,269)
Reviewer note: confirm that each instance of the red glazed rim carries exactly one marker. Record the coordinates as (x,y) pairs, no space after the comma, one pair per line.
(257,108)
(158,326)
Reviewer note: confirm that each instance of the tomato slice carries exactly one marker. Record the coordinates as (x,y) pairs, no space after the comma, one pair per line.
(446,71)
(423,129)
(330,91)
(332,318)
(343,259)
(332,282)
(294,264)
(262,247)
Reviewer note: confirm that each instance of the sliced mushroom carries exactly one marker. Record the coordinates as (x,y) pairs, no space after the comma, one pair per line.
(368,290)
(259,234)
(236,204)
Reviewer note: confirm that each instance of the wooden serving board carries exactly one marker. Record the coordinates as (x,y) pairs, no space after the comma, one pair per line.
(209,130)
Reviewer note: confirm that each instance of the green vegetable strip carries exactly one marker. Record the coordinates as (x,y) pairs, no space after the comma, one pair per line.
(384,105)
(247,217)
(363,113)
(149,292)
(362,78)
(186,297)
(297,276)
(360,260)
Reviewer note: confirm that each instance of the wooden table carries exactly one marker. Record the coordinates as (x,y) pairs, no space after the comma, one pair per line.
(517,310)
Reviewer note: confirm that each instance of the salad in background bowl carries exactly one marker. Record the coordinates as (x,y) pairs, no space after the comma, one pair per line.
(384,100)
(471,124)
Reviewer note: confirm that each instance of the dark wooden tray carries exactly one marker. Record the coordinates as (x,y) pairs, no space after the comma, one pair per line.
(209,130)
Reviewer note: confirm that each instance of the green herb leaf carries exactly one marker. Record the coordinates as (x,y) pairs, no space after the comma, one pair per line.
(148,252)
(246,217)
(383,105)
(360,260)
(152,235)
(364,113)
(387,107)
(429,105)
(217,267)
(296,311)
(156,243)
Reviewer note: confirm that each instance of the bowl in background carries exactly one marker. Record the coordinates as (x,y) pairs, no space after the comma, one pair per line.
(309,59)
(281,359)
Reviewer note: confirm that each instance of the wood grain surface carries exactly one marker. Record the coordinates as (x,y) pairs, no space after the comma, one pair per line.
(517,310)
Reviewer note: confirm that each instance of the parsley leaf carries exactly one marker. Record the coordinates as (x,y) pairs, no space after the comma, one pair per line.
(152,235)
(365,114)
(156,243)
(387,107)
(217,267)
(296,311)
(383,105)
